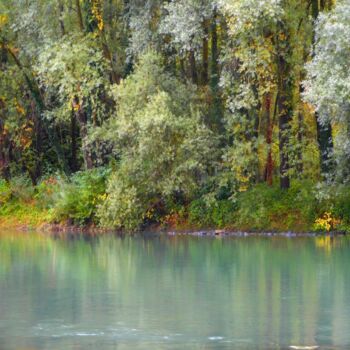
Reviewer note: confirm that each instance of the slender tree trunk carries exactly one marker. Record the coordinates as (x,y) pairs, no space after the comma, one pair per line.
(182,68)
(74,146)
(254,134)
(205,70)
(115,78)
(269,133)
(300,132)
(285,103)
(60,19)
(4,145)
(80,15)
(216,107)
(38,142)
(82,120)
(300,137)
(4,163)
(284,130)
(193,67)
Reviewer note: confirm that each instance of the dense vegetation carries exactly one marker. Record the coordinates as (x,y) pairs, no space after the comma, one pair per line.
(221,113)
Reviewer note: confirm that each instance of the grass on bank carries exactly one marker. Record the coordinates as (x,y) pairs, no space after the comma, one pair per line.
(304,207)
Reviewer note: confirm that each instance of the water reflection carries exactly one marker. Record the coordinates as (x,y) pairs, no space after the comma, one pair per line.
(171,293)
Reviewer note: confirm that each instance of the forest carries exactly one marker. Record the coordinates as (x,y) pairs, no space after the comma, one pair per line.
(129,114)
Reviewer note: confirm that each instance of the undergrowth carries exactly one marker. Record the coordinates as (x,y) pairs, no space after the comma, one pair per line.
(75,200)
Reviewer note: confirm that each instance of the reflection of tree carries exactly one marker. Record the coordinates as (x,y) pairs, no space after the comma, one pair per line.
(329,242)
(285,290)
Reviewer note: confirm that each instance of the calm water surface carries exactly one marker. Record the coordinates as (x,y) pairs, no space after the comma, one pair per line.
(173,293)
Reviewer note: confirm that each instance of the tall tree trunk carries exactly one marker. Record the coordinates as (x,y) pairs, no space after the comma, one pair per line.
(193,67)
(300,137)
(37,172)
(80,15)
(74,146)
(205,53)
(285,102)
(4,163)
(81,117)
(182,68)
(115,78)
(269,133)
(60,19)
(254,134)
(300,130)
(4,145)
(216,107)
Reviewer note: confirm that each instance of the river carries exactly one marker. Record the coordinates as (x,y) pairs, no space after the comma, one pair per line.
(156,292)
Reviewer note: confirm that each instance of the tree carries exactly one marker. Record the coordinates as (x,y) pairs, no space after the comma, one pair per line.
(163,148)
(324,128)
(250,81)
(327,83)
(74,74)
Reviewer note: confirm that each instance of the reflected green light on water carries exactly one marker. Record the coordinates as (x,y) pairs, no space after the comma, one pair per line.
(173,292)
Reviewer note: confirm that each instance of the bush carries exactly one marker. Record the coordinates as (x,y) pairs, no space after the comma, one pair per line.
(124,207)
(46,191)
(22,188)
(5,191)
(217,214)
(270,208)
(78,197)
(341,206)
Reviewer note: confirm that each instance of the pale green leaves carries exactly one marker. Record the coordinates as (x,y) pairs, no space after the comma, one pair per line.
(164,145)
(73,67)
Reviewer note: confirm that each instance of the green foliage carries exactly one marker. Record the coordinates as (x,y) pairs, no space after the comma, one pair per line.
(339,203)
(164,147)
(57,199)
(45,192)
(21,188)
(270,208)
(327,83)
(126,205)
(217,214)
(93,82)
(184,22)
(74,68)
(77,198)
(5,191)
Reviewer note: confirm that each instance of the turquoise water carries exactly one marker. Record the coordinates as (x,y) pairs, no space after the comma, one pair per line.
(173,292)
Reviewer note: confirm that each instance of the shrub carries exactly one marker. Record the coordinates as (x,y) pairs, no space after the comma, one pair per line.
(5,191)
(214,214)
(46,191)
(264,207)
(78,197)
(326,223)
(341,204)
(22,188)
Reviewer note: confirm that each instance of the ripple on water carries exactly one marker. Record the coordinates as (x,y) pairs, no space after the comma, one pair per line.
(216,338)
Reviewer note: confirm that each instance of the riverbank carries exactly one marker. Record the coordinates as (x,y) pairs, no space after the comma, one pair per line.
(29,224)
(74,205)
